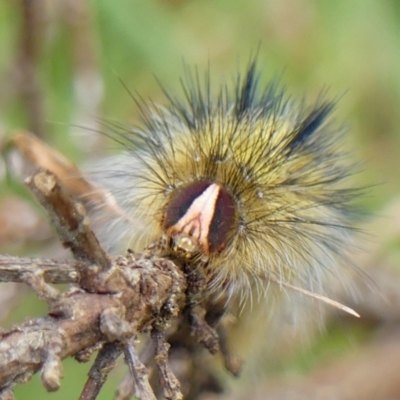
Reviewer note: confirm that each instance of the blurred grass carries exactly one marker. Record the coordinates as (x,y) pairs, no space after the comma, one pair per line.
(351,47)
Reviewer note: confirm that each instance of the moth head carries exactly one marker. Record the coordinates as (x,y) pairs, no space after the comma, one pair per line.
(199,219)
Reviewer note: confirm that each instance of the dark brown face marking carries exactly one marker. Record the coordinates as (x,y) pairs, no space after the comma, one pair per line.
(203,211)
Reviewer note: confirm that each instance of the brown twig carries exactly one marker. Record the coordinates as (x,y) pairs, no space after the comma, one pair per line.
(105,362)
(37,154)
(72,227)
(139,372)
(116,298)
(40,155)
(12,269)
(205,334)
(169,383)
(126,388)
(72,325)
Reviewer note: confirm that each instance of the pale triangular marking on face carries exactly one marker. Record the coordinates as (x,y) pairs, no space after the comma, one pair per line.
(197,220)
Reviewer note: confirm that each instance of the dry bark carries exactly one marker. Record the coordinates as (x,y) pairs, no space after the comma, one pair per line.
(110,302)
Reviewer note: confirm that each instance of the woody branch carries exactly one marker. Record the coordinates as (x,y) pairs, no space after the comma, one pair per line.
(111,301)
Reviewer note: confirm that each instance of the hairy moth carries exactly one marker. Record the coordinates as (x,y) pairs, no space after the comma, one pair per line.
(245,181)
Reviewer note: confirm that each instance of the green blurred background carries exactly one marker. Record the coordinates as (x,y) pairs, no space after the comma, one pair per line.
(76,52)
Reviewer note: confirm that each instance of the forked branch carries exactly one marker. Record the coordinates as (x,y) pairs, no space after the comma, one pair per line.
(110,301)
